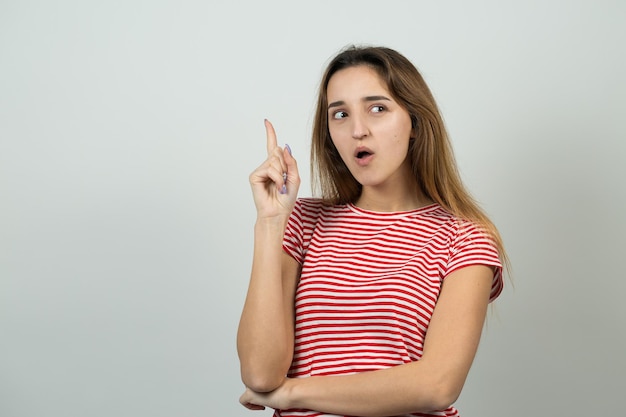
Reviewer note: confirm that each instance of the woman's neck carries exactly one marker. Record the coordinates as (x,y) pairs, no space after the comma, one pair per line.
(386,199)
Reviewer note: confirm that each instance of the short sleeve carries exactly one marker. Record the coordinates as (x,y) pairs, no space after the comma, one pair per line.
(293,240)
(472,246)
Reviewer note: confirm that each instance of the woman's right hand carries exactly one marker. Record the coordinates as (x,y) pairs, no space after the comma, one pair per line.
(275,183)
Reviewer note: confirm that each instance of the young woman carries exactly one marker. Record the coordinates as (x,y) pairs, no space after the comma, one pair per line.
(370,300)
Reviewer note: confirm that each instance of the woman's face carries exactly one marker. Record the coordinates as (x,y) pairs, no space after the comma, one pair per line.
(368,127)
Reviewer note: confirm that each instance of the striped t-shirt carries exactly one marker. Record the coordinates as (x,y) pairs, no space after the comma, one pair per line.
(369,284)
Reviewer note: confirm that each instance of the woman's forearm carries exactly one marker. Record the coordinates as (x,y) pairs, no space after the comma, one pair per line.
(403,389)
(265,335)
(399,390)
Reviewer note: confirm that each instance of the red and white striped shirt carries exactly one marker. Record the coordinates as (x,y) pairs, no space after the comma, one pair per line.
(369,284)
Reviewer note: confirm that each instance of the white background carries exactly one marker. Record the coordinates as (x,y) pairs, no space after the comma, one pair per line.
(127,133)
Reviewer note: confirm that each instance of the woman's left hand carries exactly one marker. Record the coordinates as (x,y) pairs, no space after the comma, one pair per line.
(277,399)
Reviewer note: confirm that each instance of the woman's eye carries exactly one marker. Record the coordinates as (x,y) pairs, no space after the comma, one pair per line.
(378,109)
(339,114)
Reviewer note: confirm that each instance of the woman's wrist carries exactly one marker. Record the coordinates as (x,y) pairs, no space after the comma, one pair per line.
(269,224)
(294,392)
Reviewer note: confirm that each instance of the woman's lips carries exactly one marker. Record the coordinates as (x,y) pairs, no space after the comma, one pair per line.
(363,156)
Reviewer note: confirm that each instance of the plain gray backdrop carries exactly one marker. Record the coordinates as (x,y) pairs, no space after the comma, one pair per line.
(128,130)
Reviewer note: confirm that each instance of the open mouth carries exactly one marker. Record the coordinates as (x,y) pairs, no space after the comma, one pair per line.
(363,156)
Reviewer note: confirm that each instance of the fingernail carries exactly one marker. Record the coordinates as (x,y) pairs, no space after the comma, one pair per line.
(283,189)
(288,148)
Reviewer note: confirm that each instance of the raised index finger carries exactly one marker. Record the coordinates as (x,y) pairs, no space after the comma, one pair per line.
(272,143)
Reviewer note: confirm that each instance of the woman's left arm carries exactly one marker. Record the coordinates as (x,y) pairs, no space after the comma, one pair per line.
(432,383)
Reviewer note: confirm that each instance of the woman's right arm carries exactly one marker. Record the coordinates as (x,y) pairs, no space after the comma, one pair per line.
(266,329)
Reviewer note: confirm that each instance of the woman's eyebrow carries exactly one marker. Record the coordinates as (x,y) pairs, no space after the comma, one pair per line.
(336,104)
(376,98)
(364,99)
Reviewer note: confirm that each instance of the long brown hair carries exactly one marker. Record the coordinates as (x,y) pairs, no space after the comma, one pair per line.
(430,151)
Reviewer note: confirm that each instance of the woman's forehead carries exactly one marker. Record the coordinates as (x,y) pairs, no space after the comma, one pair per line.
(354,82)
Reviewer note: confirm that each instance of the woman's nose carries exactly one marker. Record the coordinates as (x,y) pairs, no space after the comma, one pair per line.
(359,128)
